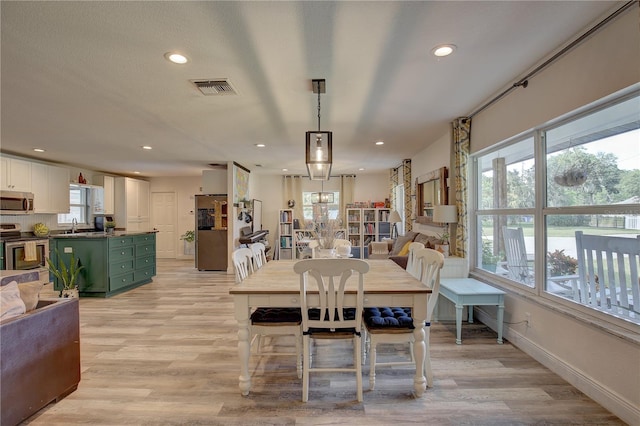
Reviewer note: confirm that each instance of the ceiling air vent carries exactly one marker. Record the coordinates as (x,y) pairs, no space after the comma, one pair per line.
(216,87)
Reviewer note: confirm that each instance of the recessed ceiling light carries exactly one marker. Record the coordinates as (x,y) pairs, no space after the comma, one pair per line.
(176,58)
(380,143)
(38,149)
(147,147)
(137,173)
(285,170)
(443,50)
(260,145)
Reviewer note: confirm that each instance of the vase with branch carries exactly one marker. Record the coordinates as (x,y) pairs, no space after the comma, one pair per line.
(325,234)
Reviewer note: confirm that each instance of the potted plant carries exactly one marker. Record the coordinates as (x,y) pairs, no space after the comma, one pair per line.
(67,276)
(188,237)
(110,227)
(489,260)
(442,245)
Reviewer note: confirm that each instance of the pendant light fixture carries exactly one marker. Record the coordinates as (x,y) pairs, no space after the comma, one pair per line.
(322,197)
(318,144)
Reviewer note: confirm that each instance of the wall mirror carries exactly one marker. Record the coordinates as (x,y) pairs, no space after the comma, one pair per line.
(431,190)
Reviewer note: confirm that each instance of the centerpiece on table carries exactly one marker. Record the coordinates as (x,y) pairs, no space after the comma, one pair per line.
(325,235)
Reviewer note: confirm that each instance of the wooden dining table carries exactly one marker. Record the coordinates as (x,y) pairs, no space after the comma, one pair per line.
(276,285)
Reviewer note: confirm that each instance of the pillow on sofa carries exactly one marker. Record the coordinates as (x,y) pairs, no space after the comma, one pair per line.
(11,305)
(405,249)
(401,241)
(29,293)
(429,241)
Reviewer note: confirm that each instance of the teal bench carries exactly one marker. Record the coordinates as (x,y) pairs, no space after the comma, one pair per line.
(471,292)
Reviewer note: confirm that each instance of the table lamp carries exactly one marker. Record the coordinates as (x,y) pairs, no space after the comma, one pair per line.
(445,214)
(394,218)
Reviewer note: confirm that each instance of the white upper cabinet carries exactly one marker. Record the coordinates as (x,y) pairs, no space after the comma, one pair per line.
(59,189)
(50,187)
(132,204)
(108,186)
(15,174)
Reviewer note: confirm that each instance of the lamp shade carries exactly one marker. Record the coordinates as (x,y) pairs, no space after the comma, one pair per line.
(318,154)
(394,217)
(445,214)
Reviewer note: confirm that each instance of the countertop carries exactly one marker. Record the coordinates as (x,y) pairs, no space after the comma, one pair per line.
(100,234)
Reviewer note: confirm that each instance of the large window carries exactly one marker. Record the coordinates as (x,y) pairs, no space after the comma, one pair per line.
(313,211)
(533,194)
(78,208)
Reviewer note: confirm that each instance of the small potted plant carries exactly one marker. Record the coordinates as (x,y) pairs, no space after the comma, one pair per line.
(67,276)
(109,227)
(443,243)
(188,237)
(489,260)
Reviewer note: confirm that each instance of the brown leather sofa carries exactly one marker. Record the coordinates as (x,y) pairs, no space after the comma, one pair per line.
(40,358)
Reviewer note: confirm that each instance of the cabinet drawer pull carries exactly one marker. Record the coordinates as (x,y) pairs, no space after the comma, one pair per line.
(122,253)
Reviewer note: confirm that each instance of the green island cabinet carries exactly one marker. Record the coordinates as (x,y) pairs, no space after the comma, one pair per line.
(112,264)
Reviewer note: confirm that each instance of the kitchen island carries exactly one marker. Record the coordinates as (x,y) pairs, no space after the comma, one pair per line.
(113,263)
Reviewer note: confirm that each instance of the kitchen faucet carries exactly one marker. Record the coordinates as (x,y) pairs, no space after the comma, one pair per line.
(74,224)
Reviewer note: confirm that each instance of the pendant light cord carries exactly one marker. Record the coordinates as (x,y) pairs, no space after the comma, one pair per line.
(318,106)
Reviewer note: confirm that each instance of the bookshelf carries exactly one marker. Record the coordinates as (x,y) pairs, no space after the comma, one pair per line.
(365,225)
(285,234)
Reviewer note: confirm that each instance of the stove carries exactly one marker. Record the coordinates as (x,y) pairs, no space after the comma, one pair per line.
(22,252)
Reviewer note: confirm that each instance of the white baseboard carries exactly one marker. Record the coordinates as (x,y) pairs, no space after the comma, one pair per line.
(583,382)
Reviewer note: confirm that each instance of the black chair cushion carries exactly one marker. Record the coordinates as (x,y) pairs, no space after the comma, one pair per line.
(387,317)
(348,313)
(274,315)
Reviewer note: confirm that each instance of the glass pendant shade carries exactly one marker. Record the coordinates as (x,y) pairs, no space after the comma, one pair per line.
(318,155)
(322,198)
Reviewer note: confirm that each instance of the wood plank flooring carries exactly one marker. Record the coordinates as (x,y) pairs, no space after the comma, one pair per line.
(166,354)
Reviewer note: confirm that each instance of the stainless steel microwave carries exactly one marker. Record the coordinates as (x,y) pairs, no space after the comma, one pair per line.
(14,202)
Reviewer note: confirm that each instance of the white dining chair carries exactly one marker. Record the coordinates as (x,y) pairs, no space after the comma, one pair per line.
(331,317)
(342,247)
(259,255)
(388,325)
(242,263)
(412,266)
(269,321)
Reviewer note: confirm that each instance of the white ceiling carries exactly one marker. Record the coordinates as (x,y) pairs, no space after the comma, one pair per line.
(87,81)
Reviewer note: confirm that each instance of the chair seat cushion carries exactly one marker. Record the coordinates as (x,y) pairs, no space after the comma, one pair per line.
(349,315)
(387,317)
(275,315)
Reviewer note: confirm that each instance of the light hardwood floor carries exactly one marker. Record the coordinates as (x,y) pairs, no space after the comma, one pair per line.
(166,354)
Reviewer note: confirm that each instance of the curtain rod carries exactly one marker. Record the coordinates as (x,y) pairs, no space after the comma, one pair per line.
(524,81)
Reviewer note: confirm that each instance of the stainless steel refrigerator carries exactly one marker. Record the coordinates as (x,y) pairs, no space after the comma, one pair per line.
(211,232)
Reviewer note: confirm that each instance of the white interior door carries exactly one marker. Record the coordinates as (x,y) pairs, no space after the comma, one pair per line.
(163,216)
